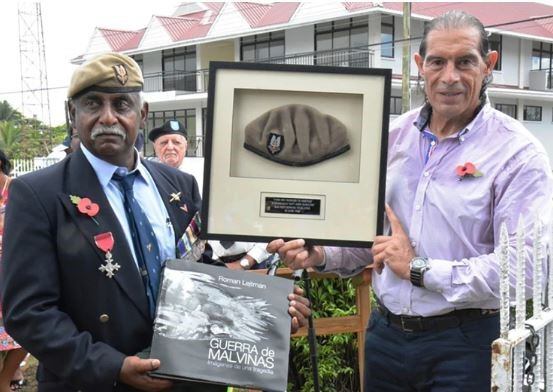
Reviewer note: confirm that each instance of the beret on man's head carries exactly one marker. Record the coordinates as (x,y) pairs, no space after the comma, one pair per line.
(108,73)
(296,135)
(170,127)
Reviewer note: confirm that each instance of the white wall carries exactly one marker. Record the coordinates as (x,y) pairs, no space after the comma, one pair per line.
(526,60)
(509,74)
(194,166)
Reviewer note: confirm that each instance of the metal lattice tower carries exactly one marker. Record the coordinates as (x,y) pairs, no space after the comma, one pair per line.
(35,99)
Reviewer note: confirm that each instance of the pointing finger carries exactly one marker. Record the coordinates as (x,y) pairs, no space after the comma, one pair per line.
(395,224)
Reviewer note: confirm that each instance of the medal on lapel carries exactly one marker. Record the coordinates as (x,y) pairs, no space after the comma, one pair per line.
(175,197)
(105,242)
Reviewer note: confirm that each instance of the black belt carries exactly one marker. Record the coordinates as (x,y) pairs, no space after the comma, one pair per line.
(434,323)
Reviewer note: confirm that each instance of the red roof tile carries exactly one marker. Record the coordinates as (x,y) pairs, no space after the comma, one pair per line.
(351,6)
(493,13)
(193,25)
(183,28)
(259,15)
(213,9)
(120,40)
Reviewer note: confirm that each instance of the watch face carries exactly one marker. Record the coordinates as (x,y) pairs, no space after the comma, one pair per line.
(244,263)
(419,263)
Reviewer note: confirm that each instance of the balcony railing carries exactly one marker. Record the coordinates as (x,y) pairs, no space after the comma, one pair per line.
(182,81)
(359,57)
(197,81)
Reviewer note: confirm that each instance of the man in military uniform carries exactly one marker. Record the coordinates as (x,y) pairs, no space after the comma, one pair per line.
(81,271)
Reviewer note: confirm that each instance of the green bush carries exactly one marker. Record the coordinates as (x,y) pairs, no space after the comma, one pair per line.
(337,354)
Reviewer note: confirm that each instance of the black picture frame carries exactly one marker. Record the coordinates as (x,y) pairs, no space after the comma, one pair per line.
(250,197)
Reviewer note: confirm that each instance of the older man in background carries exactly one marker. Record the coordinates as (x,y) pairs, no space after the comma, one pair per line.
(170,143)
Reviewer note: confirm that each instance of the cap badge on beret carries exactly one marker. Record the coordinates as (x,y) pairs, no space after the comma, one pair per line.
(121,73)
(311,136)
(275,143)
(175,125)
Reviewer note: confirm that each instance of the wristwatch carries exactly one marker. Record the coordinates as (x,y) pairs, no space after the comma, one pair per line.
(418,266)
(245,263)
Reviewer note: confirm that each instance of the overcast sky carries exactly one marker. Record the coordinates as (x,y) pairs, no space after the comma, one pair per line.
(68,26)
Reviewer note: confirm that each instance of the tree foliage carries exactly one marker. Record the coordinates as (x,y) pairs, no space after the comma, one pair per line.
(23,138)
(7,113)
(338,366)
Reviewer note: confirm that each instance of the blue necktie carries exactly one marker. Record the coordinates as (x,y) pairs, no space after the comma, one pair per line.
(143,238)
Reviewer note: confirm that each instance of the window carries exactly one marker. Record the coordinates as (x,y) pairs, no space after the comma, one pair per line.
(496,42)
(179,69)
(532,113)
(343,42)
(541,55)
(395,105)
(387,36)
(508,109)
(262,47)
(186,116)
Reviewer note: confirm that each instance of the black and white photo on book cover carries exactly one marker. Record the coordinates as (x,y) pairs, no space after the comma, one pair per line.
(223,326)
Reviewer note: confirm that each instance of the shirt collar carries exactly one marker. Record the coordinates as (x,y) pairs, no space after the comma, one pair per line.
(104,170)
(423,119)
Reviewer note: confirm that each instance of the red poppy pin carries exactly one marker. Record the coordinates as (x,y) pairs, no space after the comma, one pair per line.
(86,206)
(467,170)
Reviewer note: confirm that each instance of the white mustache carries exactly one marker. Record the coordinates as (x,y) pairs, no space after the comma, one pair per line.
(104,130)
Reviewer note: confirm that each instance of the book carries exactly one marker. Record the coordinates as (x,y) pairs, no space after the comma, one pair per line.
(222,326)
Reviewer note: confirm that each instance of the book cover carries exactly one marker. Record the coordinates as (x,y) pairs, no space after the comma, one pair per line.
(222,326)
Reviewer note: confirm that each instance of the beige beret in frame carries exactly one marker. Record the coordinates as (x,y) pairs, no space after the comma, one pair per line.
(296,135)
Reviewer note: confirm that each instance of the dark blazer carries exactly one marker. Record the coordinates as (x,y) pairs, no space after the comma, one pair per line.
(79,323)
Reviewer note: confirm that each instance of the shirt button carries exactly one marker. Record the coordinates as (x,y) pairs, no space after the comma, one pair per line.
(104,318)
(432,143)
(426,174)
(405,310)
(462,139)
(418,207)
(413,243)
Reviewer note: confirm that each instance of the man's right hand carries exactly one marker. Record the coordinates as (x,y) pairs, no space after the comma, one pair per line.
(134,372)
(296,255)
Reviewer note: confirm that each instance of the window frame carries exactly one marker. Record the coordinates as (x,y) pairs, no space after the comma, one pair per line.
(500,106)
(271,39)
(334,27)
(525,113)
(541,52)
(183,53)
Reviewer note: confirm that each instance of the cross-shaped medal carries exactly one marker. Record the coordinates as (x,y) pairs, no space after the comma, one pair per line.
(110,267)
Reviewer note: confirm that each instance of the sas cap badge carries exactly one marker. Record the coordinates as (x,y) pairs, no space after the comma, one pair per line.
(275,143)
(121,73)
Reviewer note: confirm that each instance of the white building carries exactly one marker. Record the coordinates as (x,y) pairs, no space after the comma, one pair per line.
(174,51)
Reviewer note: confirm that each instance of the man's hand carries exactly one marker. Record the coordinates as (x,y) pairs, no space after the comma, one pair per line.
(299,309)
(134,372)
(395,251)
(295,254)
